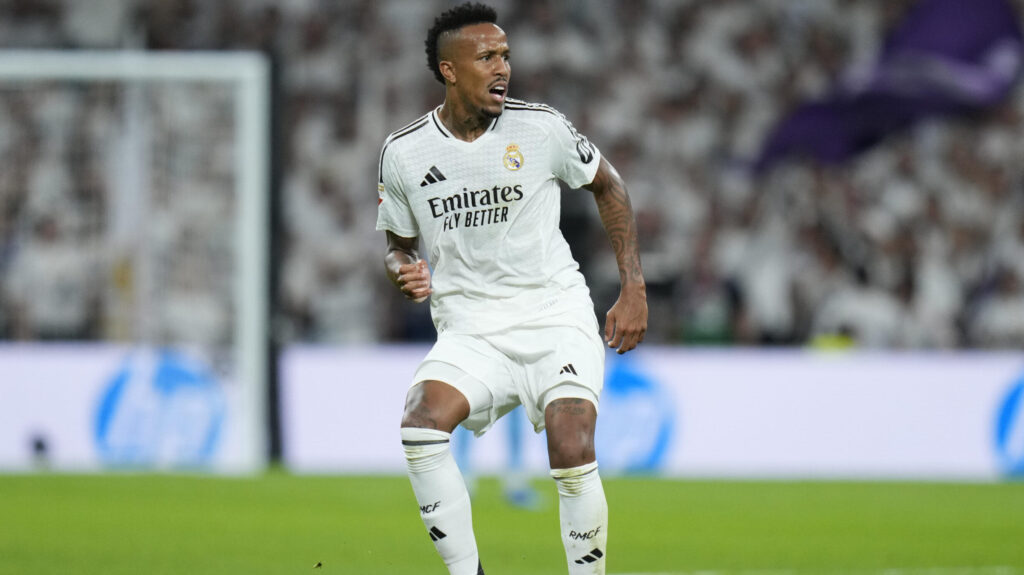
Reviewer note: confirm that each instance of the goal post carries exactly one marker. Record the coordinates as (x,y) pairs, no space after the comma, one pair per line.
(215,243)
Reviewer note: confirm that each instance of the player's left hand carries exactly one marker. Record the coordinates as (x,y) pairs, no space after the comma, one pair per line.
(626,323)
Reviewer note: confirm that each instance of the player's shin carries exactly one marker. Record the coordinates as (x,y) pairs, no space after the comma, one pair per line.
(442,497)
(583,512)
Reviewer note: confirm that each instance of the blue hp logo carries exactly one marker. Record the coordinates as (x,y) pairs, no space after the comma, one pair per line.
(637,419)
(160,410)
(1010,431)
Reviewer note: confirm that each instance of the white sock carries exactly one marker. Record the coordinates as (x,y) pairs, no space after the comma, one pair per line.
(442,496)
(583,513)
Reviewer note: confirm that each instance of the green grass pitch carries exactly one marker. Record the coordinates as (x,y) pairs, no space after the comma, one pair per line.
(282,524)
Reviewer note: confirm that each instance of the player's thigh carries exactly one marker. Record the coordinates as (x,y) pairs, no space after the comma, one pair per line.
(462,380)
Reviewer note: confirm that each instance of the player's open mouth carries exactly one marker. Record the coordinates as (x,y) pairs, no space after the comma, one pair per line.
(498,91)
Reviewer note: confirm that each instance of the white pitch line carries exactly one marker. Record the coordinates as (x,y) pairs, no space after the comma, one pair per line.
(994,570)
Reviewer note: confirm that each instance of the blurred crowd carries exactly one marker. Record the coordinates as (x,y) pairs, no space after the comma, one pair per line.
(916,243)
(117,205)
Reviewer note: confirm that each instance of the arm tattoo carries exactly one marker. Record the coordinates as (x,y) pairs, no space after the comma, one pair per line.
(619,223)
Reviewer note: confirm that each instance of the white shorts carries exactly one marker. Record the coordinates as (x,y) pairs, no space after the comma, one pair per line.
(530,364)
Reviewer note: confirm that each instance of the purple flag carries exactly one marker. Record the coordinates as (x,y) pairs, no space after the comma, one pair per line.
(946,57)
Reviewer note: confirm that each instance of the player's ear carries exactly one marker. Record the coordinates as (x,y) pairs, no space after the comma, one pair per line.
(447,70)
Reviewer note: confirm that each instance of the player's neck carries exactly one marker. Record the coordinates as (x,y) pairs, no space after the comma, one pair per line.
(465,124)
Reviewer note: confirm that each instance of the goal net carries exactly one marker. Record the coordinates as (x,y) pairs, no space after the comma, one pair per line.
(133,222)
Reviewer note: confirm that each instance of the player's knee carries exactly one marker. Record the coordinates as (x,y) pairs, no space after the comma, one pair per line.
(570,446)
(421,416)
(418,418)
(570,429)
(565,454)
(434,405)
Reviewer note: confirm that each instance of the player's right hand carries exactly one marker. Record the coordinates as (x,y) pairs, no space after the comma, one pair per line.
(414,281)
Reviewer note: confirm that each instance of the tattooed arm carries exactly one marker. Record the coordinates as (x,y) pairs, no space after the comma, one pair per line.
(626,321)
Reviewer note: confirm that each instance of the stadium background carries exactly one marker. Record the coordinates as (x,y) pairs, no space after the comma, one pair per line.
(908,255)
(680,95)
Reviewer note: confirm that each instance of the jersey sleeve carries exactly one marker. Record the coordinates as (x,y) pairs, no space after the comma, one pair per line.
(393,211)
(573,157)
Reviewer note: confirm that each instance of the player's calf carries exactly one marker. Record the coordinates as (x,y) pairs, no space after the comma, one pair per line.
(442,497)
(583,514)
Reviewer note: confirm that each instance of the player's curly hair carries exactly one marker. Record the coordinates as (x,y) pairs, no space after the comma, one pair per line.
(457,17)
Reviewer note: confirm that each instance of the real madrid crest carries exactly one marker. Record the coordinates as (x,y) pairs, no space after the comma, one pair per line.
(513,157)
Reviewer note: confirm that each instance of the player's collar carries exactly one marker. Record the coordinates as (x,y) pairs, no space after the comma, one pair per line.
(447,133)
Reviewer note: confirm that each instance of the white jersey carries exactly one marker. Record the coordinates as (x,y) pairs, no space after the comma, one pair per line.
(488,212)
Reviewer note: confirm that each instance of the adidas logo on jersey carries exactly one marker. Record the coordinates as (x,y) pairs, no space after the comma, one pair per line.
(568,368)
(433,176)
